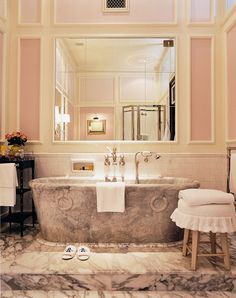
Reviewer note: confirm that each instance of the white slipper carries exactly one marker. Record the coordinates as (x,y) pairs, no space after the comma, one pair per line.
(83,253)
(69,252)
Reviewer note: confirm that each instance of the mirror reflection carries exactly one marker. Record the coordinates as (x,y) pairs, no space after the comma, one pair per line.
(115,89)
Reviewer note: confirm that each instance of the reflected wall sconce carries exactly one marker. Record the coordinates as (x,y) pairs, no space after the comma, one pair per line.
(65,118)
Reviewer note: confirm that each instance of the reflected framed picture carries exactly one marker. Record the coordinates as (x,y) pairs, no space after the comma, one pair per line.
(96,127)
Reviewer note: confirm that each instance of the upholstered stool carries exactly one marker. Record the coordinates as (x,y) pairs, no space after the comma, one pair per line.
(205,210)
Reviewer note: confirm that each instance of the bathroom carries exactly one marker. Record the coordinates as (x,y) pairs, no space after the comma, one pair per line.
(66,68)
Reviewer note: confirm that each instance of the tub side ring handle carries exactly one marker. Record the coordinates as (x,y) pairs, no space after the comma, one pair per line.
(64,202)
(159,208)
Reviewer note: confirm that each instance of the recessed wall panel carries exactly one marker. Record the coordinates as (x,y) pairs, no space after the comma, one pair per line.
(137,88)
(96,89)
(29,91)
(201,94)
(200,10)
(140,11)
(30,11)
(231,80)
(1,85)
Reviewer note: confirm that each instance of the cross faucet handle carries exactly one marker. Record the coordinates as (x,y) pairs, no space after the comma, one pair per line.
(122,160)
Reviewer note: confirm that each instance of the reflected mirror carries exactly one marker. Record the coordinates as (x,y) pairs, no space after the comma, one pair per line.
(115,89)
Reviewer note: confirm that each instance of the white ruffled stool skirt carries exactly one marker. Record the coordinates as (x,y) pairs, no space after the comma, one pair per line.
(213,218)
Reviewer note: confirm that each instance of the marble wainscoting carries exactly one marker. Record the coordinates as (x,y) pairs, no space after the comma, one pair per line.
(209,169)
(30,265)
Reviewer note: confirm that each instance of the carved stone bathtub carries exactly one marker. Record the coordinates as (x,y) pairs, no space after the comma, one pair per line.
(67,211)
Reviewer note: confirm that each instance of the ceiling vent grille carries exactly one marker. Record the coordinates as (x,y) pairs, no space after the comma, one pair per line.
(115,5)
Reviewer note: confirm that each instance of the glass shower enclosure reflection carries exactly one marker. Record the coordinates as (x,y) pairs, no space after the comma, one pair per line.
(145,123)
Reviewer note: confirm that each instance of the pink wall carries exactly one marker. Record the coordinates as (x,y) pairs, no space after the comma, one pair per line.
(200,10)
(1,77)
(30,87)
(231,78)
(102,113)
(30,11)
(141,11)
(201,89)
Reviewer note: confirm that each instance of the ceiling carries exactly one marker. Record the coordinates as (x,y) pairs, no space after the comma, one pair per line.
(116,54)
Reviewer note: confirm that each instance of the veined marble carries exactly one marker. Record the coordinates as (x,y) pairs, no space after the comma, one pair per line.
(29,265)
(67,211)
(112,294)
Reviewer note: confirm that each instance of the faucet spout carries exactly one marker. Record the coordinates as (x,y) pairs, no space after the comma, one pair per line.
(146,157)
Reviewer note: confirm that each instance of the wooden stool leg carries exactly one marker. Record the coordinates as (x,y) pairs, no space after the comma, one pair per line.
(195,242)
(185,242)
(213,242)
(225,249)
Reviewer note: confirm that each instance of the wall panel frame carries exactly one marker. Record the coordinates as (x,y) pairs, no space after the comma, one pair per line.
(30,12)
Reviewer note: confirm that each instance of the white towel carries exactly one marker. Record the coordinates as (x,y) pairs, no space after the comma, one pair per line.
(166,136)
(110,196)
(232,185)
(197,197)
(8,183)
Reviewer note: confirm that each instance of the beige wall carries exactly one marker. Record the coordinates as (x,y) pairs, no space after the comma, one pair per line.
(182,30)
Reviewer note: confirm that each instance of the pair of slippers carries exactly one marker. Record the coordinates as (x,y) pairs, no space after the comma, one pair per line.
(83,253)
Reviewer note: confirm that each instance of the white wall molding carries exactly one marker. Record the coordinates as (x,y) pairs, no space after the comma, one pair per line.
(228,14)
(56,23)
(30,24)
(211,21)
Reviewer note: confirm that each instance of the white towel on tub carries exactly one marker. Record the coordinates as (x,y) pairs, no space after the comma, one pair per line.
(232,184)
(110,196)
(8,183)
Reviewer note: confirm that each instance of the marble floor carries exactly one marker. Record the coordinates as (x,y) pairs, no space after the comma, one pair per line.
(32,267)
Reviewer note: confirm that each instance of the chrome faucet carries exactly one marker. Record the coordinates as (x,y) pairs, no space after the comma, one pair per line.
(146,156)
(111,159)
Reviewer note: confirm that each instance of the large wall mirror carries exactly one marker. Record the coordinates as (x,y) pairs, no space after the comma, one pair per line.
(115,89)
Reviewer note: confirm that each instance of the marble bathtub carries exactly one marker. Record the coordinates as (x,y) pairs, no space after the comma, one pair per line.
(67,211)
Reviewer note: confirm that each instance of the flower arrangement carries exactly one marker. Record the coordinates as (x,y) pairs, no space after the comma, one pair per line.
(16,138)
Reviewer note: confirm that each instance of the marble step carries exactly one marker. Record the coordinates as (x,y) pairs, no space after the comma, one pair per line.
(134,271)
(112,294)
(31,265)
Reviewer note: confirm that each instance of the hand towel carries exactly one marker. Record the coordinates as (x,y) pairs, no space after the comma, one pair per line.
(8,183)
(232,184)
(197,197)
(110,196)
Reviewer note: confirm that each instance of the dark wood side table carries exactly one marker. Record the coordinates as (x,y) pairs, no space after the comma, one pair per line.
(20,216)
